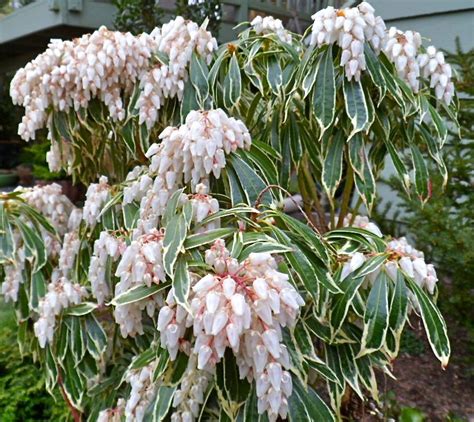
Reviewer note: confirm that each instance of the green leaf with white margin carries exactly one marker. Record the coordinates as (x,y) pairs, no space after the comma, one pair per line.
(314,240)
(81,309)
(324,93)
(421,173)
(398,164)
(365,185)
(189,101)
(356,154)
(96,337)
(376,316)
(250,182)
(322,369)
(175,235)
(309,80)
(199,239)
(332,166)
(138,293)
(398,313)
(373,66)
(304,268)
(439,124)
(7,242)
(182,283)
(34,245)
(274,74)
(342,303)
(172,207)
(37,289)
(356,106)
(267,247)
(366,374)
(305,405)
(249,412)
(160,406)
(227,378)
(347,360)
(198,74)
(435,326)
(235,191)
(371,265)
(232,84)
(303,340)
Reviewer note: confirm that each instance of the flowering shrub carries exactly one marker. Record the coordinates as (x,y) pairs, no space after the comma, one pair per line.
(182,288)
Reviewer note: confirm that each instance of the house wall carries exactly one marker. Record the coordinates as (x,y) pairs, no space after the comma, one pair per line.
(439,22)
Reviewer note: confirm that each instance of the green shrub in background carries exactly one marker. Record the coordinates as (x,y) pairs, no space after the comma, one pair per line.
(23,396)
(137,16)
(443,227)
(35,155)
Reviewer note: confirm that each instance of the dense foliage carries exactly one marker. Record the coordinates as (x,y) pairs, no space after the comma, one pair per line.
(23,396)
(443,226)
(182,287)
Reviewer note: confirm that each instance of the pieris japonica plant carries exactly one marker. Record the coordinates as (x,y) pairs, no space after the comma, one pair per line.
(183,290)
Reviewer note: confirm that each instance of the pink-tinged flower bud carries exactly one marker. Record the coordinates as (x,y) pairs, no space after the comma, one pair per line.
(220,321)
(164,317)
(233,336)
(407,266)
(286,383)
(204,355)
(205,283)
(274,399)
(262,384)
(212,302)
(260,355)
(271,341)
(275,375)
(238,304)
(261,288)
(228,286)
(264,311)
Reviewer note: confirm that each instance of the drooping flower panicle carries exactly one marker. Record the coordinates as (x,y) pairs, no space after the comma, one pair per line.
(241,306)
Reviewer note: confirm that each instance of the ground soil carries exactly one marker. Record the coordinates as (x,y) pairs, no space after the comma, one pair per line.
(421,382)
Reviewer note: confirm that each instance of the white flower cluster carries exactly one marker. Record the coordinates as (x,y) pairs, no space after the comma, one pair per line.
(49,201)
(189,398)
(204,205)
(401,256)
(189,153)
(60,155)
(71,73)
(61,291)
(96,196)
(13,276)
(349,29)
(402,48)
(113,414)
(107,248)
(434,67)
(241,306)
(412,262)
(270,25)
(141,263)
(362,222)
(142,393)
(178,39)
(105,65)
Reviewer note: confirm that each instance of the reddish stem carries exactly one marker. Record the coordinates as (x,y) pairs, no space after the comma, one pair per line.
(75,412)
